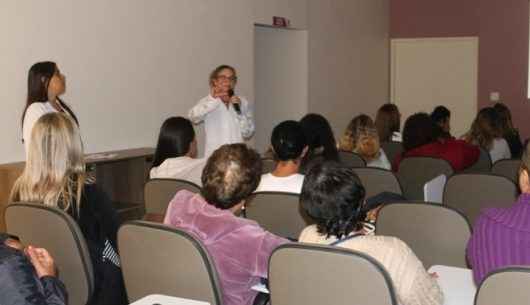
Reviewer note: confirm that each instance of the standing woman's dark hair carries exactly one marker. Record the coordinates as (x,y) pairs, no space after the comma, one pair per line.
(174,140)
(39,77)
(419,130)
(319,136)
(387,121)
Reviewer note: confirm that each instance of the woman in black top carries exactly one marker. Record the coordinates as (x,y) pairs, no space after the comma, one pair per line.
(55,176)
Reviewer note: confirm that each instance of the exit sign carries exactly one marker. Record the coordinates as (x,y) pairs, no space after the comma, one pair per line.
(280,21)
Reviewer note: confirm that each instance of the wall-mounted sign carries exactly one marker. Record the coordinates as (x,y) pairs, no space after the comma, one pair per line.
(280,21)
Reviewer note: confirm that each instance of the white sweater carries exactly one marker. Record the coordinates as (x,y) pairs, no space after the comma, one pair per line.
(414,286)
(223,125)
(184,168)
(33,114)
(290,184)
(500,150)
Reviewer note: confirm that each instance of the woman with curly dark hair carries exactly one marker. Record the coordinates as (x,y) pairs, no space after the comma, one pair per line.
(333,197)
(239,247)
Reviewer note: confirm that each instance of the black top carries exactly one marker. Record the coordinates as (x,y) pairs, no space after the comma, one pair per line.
(99,222)
(514,141)
(20,284)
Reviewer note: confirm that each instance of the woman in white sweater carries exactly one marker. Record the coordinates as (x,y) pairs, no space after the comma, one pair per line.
(176,152)
(45,85)
(332,196)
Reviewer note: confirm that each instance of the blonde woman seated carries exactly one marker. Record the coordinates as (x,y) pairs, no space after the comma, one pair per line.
(55,176)
(361,138)
(332,196)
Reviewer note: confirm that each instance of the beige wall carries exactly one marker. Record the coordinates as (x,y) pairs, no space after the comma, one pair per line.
(348,58)
(131,63)
(294,10)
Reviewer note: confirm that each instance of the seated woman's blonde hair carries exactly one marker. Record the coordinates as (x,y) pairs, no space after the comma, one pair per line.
(361,137)
(54,173)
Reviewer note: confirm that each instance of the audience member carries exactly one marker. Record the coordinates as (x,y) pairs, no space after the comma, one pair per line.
(176,152)
(320,140)
(441,116)
(388,122)
(361,138)
(28,276)
(486,133)
(289,147)
(54,175)
(332,196)
(240,248)
(227,117)
(45,85)
(510,134)
(501,235)
(420,139)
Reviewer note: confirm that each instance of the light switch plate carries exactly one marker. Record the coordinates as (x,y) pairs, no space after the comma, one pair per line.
(495,96)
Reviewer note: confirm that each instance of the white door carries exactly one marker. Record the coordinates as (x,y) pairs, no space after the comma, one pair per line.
(281,74)
(428,72)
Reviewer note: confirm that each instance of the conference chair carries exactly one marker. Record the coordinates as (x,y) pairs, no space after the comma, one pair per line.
(414,172)
(350,159)
(267,165)
(507,286)
(305,274)
(438,235)
(277,212)
(56,231)
(392,150)
(508,168)
(470,193)
(378,180)
(157,259)
(159,192)
(483,164)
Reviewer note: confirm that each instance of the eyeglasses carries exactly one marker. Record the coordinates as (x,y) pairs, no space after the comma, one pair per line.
(230,78)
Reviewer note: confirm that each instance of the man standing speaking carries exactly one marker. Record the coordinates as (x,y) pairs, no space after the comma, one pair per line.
(227,117)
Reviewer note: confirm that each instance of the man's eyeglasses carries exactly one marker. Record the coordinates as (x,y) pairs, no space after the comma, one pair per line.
(230,78)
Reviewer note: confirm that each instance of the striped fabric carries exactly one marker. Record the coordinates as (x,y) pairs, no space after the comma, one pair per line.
(110,254)
(501,238)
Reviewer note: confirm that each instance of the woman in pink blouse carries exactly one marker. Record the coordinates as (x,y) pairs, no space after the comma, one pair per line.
(239,247)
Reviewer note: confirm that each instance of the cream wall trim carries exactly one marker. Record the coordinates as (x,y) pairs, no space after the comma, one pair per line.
(427,72)
(294,10)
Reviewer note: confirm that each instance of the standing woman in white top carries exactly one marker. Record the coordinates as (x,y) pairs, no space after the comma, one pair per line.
(45,85)
(227,117)
(486,133)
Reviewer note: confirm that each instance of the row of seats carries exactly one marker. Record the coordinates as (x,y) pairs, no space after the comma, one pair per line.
(468,193)
(185,269)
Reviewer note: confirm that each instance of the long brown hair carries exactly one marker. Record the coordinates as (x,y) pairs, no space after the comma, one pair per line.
(387,121)
(485,128)
(505,118)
